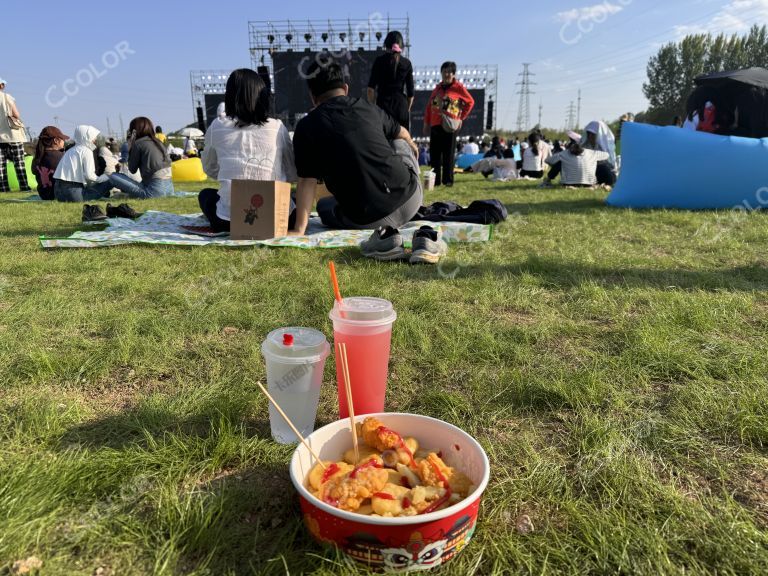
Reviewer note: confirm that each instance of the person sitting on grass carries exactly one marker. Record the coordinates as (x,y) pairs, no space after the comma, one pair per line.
(599,137)
(369,163)
(148,156)
(246,145)
(75,179)
(48,153)
(579,165)
(535,157)
(554,172)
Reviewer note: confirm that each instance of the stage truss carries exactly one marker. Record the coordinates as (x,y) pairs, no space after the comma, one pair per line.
(266,37)
(204,82)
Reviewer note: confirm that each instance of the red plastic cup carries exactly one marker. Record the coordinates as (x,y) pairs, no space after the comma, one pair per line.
(365,326)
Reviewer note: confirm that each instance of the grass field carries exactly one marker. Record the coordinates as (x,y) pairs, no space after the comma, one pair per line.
(614,365)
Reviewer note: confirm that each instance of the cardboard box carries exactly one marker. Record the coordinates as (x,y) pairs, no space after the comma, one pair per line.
(259,209)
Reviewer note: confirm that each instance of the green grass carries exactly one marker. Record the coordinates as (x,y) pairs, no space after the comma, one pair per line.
(613,364)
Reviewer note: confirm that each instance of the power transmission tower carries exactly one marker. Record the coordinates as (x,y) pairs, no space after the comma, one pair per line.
(524,110)
(541,108)
(578,112)
(570,122)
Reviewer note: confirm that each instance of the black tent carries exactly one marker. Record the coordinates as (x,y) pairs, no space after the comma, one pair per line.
(741,100)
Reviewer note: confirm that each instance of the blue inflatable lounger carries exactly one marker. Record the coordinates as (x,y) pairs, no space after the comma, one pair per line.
(668,167)
(465,161)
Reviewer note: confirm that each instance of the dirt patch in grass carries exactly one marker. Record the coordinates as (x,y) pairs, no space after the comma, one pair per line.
(122,389)
(518,317)
(751,490)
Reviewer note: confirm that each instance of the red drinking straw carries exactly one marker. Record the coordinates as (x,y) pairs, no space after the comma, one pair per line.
(335,282)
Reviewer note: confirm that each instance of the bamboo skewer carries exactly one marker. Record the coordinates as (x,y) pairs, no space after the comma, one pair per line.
(350,403)
(288,421)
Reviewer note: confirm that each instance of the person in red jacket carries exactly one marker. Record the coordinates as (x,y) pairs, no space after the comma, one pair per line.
(449,105)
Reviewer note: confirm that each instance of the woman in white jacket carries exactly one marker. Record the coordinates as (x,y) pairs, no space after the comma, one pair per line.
(75,178)
(244,145)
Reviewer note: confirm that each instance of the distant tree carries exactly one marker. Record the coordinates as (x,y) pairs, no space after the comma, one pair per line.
(672,71)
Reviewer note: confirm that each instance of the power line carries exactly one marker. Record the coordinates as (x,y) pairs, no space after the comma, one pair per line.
(524,109)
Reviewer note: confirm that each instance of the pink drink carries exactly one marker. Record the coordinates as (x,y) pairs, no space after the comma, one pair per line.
(365,326)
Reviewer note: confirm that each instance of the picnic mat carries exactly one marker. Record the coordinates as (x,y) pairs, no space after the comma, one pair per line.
(115,196)
(156,227)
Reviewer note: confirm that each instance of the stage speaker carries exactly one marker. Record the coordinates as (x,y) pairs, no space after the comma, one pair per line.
(200,119)
(263,72)
(489,120)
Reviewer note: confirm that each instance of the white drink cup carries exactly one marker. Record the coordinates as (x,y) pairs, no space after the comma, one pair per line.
(295,359)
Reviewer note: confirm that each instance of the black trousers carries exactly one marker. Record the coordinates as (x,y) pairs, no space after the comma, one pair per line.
(605,174)
(442,149)
(555,171)
(208,198)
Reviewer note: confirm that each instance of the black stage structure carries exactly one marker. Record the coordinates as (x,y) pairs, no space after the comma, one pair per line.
(285,49)
(281,51)
(208,88)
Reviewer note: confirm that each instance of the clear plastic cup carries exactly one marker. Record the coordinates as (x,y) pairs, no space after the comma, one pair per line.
(295,359)
(365,326)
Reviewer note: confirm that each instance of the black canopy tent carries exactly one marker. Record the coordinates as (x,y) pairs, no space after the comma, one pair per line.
(741,100)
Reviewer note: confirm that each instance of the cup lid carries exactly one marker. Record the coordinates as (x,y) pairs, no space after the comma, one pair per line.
(364,310)
(306,344)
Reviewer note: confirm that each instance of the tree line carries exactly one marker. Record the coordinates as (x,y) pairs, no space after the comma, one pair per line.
(672,71)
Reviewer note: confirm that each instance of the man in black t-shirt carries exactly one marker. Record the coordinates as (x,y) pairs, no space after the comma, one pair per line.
(369,163)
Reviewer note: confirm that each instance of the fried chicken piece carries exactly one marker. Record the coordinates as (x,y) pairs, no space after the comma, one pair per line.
(378,436)
(427,470)
(348,492)
(332,469)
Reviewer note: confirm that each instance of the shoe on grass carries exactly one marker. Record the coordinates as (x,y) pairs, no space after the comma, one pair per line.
(427,246)
(92,213)
(546,183)
(122,211)
(385,244)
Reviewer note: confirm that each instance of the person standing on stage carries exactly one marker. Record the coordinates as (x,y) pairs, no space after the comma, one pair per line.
(391,83)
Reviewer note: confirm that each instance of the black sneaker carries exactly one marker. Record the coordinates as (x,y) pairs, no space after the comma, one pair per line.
(385,244)
(122,211)
(92,213)
(428,246)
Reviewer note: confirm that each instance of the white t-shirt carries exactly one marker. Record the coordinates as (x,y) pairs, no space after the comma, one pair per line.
(470,148)
(533,163)
(251,153)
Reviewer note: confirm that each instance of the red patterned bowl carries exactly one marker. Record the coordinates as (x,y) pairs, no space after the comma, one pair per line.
(395,544)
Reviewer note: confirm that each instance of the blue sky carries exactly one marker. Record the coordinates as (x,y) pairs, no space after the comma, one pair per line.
(142,51)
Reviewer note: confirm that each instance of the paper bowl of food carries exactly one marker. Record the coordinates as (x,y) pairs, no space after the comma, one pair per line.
(408,502)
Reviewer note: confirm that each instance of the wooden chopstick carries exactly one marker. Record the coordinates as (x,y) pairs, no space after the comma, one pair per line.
(350,403)
(288,421)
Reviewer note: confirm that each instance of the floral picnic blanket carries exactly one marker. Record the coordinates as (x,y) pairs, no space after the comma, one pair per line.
(114,196)
(164,228)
